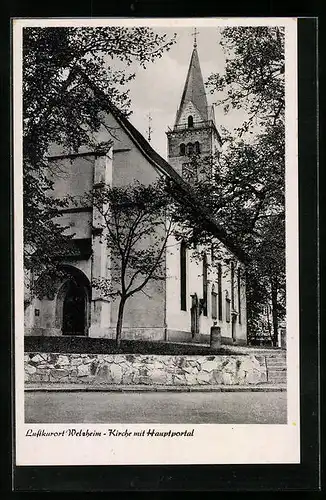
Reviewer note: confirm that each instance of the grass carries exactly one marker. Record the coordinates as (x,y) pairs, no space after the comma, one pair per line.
(86,345)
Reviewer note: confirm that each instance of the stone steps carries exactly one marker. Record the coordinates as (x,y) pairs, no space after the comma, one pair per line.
(276,368)
(277,364)
(275,380)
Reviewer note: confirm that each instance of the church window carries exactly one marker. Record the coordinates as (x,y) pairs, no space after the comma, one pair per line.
(214,303)
(219,290)
(239,296)
(212,253)
(190,148)
(182,149)
(232,285)
(205,283)
(197,148)
(190,121)
(227,308)
(183,276)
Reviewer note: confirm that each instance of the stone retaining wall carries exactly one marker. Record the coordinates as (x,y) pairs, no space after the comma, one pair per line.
(133,369)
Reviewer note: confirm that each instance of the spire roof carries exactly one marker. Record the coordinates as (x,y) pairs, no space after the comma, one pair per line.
(194,89)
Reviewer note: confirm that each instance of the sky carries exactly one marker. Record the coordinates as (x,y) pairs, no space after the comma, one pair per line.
(158,88)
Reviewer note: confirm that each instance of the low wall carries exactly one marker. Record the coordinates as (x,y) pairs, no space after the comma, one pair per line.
(134,369)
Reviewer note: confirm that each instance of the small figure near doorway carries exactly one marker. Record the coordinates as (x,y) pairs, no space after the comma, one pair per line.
(234,315)
(194,312)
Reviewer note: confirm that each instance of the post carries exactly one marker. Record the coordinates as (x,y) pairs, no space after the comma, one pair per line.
(282,343)
(215,337)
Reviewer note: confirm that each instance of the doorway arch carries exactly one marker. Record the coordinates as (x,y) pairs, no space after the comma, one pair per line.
(73,303)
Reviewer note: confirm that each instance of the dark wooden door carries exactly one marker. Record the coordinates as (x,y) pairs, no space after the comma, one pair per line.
(74,310)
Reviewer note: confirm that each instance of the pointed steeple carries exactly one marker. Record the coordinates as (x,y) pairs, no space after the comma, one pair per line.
(193,95)
(194,133)
(211,114)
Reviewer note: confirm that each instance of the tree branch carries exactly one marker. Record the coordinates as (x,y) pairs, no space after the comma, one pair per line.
(150,274)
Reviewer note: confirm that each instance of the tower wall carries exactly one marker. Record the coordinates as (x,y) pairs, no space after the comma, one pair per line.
(189,110)
(184,136)
(194,125)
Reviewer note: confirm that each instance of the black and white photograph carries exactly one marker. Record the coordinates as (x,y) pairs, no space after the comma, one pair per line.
(156,241)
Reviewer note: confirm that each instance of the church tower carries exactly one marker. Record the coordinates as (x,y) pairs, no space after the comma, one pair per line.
(194,134)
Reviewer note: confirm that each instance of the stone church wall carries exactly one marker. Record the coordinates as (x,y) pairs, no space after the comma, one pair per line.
(144,315)
(202,135)
(74,176)
(179,321)
(189,109)
(154,313)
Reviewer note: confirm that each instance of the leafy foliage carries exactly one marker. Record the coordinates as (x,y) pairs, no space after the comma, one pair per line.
(254,74)
(245,188)
(136,222)
(60,108)
(254,80)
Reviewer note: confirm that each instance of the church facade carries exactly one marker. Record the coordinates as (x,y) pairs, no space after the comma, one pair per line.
(196,293)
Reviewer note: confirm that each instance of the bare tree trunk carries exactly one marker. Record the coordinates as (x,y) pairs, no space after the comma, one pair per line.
(120,322)
(269,326)
(274,311)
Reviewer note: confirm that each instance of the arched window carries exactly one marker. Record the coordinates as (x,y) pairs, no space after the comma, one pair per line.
(190,148)
(239,295)
(219,290)
(205,283)
(197,148)
(214,303)
(182,149)
(183,276)
(227,307)
(190,121)
(232,285)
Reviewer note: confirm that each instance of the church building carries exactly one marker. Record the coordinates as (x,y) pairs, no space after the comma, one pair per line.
(196,294)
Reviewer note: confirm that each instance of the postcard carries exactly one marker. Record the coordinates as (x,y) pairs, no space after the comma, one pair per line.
(156,241)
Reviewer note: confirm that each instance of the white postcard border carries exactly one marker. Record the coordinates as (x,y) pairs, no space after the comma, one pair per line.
(211,443)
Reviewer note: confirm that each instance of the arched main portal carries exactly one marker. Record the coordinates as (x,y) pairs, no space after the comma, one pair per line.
(73,303)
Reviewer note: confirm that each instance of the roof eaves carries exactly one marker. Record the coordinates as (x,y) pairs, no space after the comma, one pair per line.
(162,165)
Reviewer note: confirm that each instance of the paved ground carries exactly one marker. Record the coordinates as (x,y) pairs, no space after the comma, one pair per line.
(154,407)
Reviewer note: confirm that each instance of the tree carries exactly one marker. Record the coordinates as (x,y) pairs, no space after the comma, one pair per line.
(247,198)
(59,107)
(253,78)
(136,221)
(246,193)
(255,166)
